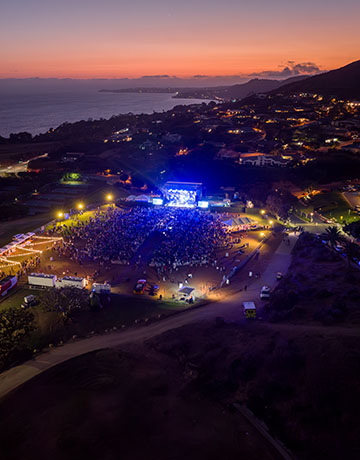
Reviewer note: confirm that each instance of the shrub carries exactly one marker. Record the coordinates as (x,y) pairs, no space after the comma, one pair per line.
(15,327)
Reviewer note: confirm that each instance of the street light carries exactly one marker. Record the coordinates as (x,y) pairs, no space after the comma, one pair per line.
(262,211)
(60,214)
(80,206)
(271,222)
(109,197)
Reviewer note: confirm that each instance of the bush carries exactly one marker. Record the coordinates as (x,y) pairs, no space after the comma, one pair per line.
(288,356)
(243,369)
(330,314)
(65,300)
(283,299)
(15,327)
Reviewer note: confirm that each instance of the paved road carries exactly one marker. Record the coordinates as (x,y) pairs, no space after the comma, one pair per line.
(317,226)
(19,167)
(353,198)
(230,308)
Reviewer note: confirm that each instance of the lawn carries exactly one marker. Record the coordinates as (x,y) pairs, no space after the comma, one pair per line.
(331,205)
(118,311)
(15,299)
(24,225)
(84,217)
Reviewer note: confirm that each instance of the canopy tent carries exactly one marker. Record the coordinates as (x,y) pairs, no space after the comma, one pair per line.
(144,198)
(238,223)
(185,290)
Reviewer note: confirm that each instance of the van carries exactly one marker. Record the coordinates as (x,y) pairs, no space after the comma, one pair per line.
(265,292)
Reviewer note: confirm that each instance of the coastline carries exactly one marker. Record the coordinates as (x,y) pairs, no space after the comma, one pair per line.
(37,113)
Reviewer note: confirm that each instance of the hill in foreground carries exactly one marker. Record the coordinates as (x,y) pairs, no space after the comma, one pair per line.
(133,405)
(173,397)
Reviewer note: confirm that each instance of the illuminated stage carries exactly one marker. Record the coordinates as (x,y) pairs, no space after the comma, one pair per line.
(183,194)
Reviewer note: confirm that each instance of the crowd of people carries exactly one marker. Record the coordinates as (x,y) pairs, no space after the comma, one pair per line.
(191,237)
(185,236)
(111,235)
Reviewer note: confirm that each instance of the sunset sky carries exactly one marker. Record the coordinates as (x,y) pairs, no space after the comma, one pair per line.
(121,38)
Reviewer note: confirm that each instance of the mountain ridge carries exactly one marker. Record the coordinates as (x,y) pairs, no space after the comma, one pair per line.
(343,82)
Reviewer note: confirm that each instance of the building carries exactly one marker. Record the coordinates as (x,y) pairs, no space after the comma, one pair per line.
(262,160)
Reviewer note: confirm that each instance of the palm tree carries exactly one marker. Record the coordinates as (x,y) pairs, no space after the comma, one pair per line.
(333,236)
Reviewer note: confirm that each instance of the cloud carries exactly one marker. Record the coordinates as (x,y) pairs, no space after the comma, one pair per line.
(291,69)
(156,76)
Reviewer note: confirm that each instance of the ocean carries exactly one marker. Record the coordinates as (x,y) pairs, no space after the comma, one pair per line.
(37,111)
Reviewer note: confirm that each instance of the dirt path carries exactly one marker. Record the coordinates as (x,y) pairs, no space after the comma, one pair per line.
(229,308)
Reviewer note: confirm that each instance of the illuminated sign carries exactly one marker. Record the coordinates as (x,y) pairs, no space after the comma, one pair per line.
(203,204)
(157,201)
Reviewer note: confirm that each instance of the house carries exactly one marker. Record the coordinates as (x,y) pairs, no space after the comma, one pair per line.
(262,160)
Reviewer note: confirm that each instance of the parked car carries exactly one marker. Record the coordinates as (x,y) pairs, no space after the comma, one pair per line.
(139,287)
(265,292)
(29,301)
(154,290)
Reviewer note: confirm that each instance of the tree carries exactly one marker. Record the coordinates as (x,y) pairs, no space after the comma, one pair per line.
(65,300)
(333,236)
(351,250)
(353,229)
(20,138)
(15,326)
(279,203)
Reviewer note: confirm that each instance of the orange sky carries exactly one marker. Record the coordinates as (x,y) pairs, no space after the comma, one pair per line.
(87,38)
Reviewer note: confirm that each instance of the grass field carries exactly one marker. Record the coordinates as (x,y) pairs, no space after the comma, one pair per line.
(117,312)
(24,225)
(331,205)
(72,221)
(15,299)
